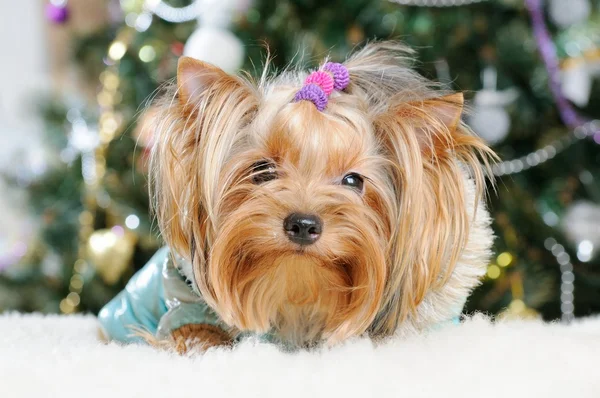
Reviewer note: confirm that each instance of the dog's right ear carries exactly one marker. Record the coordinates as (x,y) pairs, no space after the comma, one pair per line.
(196,79)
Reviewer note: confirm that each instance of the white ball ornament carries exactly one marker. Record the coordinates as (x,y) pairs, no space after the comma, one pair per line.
(212,41)
(490,120)
(581,226)
(577,84)
(491,123)
(565,13)
(217,46)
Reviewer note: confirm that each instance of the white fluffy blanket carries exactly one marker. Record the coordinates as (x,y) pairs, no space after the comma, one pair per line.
(59,356)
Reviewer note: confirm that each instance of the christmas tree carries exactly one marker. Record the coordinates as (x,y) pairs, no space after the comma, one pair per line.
(527,67)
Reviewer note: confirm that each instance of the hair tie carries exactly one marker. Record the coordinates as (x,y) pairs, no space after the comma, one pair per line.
(341,77)
(322,79)
(314,94)
(321,83)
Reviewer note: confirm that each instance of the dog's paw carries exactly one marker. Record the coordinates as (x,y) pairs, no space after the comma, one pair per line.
(197,338)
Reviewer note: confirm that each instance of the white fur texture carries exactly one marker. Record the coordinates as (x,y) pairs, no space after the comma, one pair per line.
(444,303)
(57,356)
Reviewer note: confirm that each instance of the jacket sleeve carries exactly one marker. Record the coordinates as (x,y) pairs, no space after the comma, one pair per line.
(140,305)
(184,304)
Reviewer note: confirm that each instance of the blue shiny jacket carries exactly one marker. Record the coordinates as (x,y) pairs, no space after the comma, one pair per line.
(157,299)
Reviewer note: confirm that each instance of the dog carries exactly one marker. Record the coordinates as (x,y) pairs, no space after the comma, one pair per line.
(314,208)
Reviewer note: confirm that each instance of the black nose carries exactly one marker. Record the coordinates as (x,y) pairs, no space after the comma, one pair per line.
(303,229)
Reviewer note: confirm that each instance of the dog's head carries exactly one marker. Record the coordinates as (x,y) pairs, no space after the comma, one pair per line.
(318,225)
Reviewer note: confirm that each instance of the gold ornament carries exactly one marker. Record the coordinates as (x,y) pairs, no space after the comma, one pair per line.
(110,252)
(504,259)
(493,271)
(108,125)
(517,309)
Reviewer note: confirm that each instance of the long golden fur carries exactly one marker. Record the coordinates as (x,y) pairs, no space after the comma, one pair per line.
(381,253)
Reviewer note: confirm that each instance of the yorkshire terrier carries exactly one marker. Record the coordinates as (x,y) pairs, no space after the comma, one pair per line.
(311,208)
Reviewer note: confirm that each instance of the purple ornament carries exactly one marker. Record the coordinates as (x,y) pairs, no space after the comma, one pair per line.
(58,14)
(548,53)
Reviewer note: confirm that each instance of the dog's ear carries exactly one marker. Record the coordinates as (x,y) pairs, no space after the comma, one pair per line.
(431,154)
(194,136)
(196,79)
(434,120)
(448,109)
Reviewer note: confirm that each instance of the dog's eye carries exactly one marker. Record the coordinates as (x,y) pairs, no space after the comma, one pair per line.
(353,180)
(263,171)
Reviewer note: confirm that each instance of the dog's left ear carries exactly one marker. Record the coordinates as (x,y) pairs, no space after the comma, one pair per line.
(434,120)
(447,108)
(431,153)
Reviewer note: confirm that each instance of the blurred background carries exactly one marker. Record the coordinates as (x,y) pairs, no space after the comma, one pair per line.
(76,76)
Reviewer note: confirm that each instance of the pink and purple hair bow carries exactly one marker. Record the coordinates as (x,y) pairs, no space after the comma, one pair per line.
(321,83)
